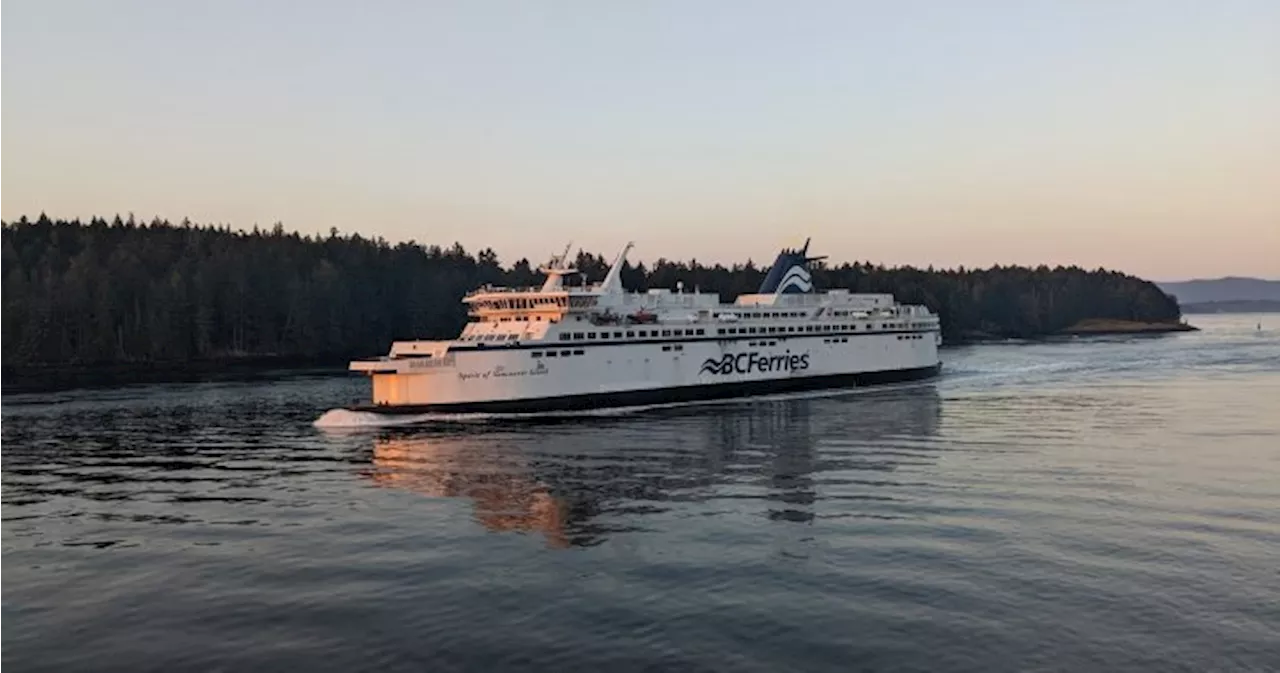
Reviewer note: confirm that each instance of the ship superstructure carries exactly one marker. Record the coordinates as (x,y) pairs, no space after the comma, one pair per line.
(557,346)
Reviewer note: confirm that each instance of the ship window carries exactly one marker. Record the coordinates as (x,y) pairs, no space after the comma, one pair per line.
(577,336)
(679,347)
(591,335)
(666,348)
(630,333)
(565,354)
(720,331)
(699,332)
(551,354)
(666,332)
(578,352)
(617,335)
(536,354)
(564,337)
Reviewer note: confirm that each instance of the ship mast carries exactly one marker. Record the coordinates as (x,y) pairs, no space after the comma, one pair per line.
(613,282)
(556,269)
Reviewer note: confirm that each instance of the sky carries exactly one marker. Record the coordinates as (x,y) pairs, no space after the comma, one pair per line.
(1132,134)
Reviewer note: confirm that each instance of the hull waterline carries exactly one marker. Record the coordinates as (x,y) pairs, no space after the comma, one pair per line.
(661,396)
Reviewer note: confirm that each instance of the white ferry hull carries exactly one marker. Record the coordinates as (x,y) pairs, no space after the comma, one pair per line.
(530,379)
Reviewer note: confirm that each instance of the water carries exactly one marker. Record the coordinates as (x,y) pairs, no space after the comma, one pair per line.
(1106,504)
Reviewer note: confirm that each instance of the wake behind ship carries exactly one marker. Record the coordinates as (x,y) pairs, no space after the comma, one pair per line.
(556,347)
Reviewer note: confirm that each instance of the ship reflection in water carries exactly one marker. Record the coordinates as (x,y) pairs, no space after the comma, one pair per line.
(502,484)
(578,482)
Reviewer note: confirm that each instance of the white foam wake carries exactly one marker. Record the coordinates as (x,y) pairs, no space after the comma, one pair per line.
(346,418)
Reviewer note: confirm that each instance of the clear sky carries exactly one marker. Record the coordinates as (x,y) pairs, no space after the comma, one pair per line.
(1139,135)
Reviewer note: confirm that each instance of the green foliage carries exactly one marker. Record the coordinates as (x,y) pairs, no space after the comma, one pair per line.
(118,292)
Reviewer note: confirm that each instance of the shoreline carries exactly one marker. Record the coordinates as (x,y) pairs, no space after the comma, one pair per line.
(1112,327)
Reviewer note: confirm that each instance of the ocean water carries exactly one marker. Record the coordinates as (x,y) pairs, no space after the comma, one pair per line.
(1106,504)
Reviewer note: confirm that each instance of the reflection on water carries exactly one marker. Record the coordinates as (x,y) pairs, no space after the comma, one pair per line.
(561,480)
(506,493)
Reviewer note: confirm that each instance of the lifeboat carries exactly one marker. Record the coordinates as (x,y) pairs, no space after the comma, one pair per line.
(642,317)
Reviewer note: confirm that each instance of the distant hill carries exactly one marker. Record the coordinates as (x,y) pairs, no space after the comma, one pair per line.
(1233,306)
(1229,289)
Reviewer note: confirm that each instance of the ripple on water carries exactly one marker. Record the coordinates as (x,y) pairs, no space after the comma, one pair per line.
(1097,505)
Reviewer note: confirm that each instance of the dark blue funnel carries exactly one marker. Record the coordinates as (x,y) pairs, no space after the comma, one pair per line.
(790,273)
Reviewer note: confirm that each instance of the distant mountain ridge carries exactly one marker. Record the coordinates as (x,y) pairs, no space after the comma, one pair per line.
(1228,289)
(1234,306)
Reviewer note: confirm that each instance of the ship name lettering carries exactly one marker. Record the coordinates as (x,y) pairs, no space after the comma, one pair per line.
(753,361)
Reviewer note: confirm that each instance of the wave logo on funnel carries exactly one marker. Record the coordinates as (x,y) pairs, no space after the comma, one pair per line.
(797,277)
(790,273)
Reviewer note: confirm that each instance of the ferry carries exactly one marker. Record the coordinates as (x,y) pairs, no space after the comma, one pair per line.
(559,347)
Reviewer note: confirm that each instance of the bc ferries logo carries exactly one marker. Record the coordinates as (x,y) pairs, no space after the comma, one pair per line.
(796,277)
(746,363)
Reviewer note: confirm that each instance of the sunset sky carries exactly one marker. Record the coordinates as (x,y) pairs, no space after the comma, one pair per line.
(1137,135)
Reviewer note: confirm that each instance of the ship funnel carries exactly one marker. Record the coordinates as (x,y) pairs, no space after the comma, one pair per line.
(790,272)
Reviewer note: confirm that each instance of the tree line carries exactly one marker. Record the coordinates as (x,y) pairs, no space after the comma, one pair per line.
(120,291)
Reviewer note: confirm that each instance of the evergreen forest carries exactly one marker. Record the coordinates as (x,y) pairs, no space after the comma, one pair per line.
(115,292)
